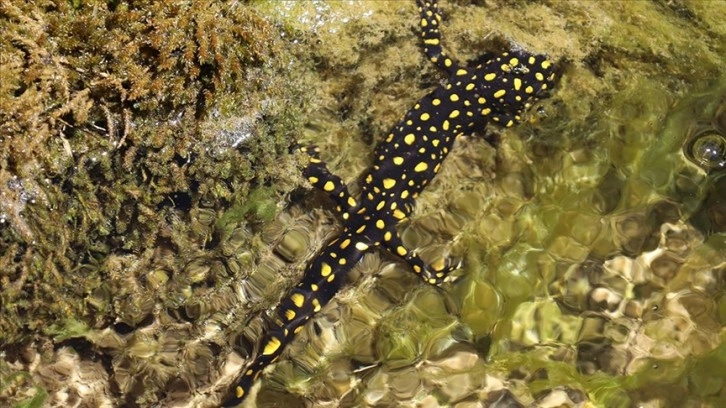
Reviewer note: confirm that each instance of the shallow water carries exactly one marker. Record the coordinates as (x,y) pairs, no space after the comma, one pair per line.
(592,245)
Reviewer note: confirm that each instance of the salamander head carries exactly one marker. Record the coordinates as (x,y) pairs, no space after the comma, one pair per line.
(513,81)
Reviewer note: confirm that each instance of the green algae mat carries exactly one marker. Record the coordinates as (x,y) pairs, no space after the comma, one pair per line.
(151,213)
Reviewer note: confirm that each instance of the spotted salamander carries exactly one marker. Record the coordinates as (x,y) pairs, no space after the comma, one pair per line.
(409,157)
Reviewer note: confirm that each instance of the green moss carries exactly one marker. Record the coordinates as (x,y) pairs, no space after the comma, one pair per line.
(36,401)
(258,206)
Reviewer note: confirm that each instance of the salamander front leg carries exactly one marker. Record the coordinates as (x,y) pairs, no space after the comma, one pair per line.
(430,19)
(317,173)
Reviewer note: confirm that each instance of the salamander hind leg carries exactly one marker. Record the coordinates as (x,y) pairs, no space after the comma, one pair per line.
(317,173)
(435,273)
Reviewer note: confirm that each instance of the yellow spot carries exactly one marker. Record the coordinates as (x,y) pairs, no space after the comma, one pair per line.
(290,314)
(531,60)
(360,229)
(313,179)
(271,346)
(509,124)
(388,183)
(351,202)
(398,160)
(499,93)
(398,214)
(436,102)
(431,41)
(380,205)
(517,84)
(404,194)
(506,68)
(330,278)
(436,169)
(387,236)
(325,269)
(329,186)
(389,138)
(401,251)
(380,224)
(513,62)
(529,89)
(239,392)
(539,76)
(448,62)
(345,244)
(425,116)
(454,114)
(435,142)
(297,299)
(461,72)
(486,111)
(361,246)
(421,167)
(431,129)
(482,101)
(438,265)
(314,287)
(409,139)
(424,23)
(445,125)
(490,77)
(315,160)
(543,87)
(469,87)
(546,64)
(417,269)
(342,261)
(454,97)
(298,329)
(316,305)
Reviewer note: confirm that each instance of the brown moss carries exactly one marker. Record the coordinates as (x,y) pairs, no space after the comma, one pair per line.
(121,123)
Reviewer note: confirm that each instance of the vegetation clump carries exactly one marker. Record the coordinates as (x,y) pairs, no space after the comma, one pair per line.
(136,139)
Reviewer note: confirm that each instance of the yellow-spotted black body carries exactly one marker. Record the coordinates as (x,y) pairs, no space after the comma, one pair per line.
(407,159)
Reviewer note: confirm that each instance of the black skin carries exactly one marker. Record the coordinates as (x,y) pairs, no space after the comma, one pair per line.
(498,89)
